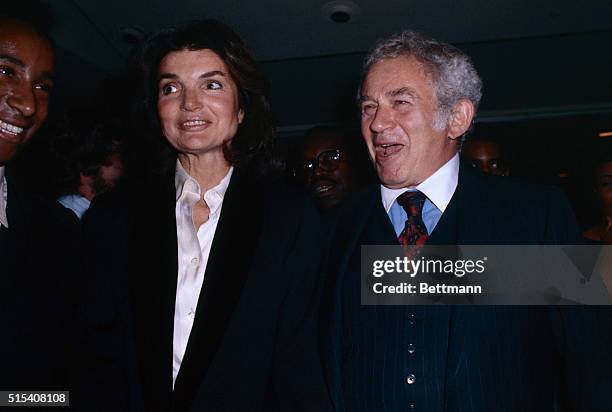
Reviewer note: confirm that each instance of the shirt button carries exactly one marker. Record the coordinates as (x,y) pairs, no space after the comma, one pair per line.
(411,319)
(410,379)
(191,315)
(195,261)
(412,406)
(411,349)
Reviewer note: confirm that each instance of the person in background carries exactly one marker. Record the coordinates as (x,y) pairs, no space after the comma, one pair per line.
(602,231)
(38,238)
(93,164)
(328,164)
(485,155)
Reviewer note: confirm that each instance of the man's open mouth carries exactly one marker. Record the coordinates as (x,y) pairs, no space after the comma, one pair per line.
(388,149)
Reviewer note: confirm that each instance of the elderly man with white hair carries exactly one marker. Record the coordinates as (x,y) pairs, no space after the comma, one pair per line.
(418,98)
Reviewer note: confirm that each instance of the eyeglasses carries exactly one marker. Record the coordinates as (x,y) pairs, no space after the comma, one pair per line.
(328,160)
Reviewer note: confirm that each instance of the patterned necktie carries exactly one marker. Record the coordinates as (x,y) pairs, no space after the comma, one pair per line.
(415,232)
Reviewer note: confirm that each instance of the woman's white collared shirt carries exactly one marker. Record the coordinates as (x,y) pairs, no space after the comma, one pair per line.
(193,252)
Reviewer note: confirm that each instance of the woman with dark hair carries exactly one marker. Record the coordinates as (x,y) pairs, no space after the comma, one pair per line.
(252,140)
(222,260)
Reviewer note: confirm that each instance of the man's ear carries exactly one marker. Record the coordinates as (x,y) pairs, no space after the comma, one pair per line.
(240,116)
(460,119)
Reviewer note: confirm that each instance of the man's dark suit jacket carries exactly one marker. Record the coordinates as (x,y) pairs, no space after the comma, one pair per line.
(464,358)
(253,342)
(38,268)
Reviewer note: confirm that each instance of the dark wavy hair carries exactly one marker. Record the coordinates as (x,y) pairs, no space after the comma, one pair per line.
(252,144)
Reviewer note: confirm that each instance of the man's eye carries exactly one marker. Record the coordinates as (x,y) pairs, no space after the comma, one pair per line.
(45,87)
(308,165)
(334,156)
(168,88)
(6,71)
(368,109)
(399,103)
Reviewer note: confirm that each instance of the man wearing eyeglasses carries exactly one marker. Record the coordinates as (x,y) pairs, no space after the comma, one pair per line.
(328,166)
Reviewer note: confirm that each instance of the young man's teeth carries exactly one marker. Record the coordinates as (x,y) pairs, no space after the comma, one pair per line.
(10,128)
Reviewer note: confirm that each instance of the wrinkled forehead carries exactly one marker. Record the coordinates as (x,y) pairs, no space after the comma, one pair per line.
(396,75)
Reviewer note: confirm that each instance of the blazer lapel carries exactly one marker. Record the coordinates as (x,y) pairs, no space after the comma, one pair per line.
(362,221)
(153,268)
(235,239)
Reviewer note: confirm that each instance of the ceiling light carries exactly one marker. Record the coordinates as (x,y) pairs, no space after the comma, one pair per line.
(341,11)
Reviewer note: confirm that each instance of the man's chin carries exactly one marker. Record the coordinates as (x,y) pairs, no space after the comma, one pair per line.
(329,198)
(328,202)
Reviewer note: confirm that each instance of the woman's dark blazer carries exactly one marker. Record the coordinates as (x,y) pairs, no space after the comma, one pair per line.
(252,346)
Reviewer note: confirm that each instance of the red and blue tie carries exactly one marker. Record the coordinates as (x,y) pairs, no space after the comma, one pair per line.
(414,232)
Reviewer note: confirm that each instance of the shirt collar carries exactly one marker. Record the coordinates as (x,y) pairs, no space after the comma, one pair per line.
(439,187)
(3,196)
(185,183)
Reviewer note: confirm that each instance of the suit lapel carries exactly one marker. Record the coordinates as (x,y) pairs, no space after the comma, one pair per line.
(363,221)
(153,269)
(233,246)
(379,229)
(14,240)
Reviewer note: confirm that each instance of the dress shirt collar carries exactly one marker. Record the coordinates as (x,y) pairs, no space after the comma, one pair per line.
(439,187)
(3,196)
(187,184)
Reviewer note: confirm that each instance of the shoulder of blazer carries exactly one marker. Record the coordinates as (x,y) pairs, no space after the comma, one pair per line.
(30,214)
(541,212)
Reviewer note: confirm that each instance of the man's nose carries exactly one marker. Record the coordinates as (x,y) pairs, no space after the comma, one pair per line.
(383,120)
(23,100)
(318,170)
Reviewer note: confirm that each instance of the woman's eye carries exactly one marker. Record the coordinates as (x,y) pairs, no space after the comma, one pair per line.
(168,88)
(213,85)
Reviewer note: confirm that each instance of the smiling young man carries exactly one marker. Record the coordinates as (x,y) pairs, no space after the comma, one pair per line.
(418,98)
(26,67)
(37,238)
